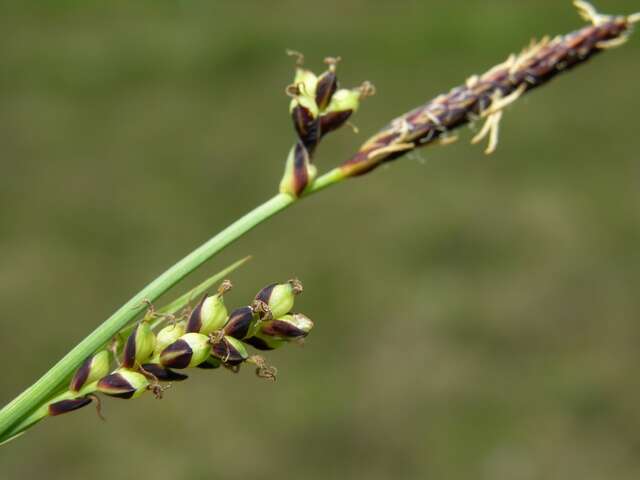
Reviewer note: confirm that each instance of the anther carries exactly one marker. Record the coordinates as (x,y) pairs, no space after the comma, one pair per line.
(299,56)
(589,13)
(332,62)
(158,390)
(367,89)
(263,370)
(354,128)
(224,287)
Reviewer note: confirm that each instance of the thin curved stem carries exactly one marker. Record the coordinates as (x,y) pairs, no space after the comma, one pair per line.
(38,393)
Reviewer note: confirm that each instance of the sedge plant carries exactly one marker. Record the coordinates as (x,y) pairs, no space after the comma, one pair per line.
(125,357)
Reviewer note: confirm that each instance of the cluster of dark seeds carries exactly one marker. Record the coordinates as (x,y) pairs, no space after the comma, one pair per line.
(318,106)
(208,336)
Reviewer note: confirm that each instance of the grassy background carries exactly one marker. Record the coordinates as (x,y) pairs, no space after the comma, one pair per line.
(476,317)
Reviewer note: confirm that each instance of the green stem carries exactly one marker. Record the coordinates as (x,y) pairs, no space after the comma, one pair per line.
(43,411)
(38,393)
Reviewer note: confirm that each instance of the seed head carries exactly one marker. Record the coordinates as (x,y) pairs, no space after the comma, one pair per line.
(486,96)
(317,108)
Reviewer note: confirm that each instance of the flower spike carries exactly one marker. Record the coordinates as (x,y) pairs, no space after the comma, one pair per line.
(486,96)
(317,107)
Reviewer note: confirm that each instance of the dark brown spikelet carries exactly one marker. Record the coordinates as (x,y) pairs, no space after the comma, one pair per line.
(177,355)
(258,343)
(333,120)
(280,329)
(81,375)
(65,406)
(194,324)
(307,127)
(486,96)
(163,374)
(240,322)
(327,84)
(264,294)
(129,353)
(301,160)
(117,386)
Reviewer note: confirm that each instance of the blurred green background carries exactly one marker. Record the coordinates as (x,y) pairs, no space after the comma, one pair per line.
(476,317)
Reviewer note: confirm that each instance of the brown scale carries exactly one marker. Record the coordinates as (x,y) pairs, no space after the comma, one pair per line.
(485,96)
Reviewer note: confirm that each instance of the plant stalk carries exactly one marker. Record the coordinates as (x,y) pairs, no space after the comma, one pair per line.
(43,389)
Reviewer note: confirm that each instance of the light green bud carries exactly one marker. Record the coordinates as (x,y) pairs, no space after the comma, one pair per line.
(278,297)
(92,369)
(190,350)
(124,383)
(139,346)
(210,314)
(167,335)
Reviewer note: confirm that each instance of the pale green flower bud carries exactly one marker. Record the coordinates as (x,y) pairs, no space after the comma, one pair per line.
(279,298)
(275,333)
(210,314)
(190,350)
(139,346)
(92,369)
(124,383)
(305,80)
(167,335)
